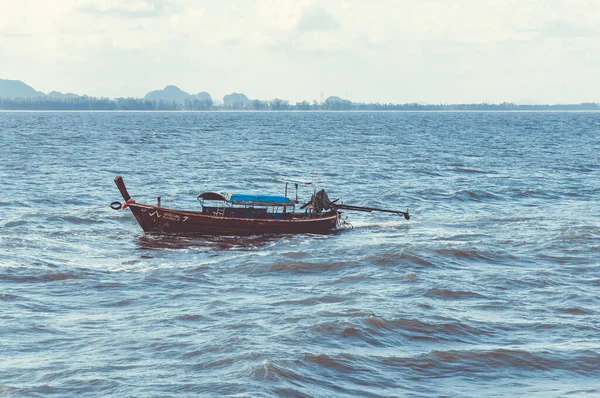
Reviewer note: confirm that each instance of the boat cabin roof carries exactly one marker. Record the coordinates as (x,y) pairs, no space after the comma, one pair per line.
(248,199)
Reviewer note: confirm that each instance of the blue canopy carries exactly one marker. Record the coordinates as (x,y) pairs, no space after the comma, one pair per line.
(248,199)
(261,200)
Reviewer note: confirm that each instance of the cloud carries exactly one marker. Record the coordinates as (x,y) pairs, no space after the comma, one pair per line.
(558,28)
(129,9)
(315,19)
(380,50)
(14,35)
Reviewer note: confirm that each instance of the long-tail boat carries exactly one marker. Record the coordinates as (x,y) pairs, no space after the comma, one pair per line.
(225,213)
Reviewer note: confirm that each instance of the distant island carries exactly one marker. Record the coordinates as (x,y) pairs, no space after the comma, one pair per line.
(16,95)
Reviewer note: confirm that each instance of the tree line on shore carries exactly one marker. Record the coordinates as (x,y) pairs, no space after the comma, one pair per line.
(85,103)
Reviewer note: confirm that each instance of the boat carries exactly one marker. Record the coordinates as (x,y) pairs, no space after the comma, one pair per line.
(224,213)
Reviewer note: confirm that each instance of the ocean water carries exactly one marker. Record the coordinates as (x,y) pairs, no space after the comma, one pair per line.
(491,289)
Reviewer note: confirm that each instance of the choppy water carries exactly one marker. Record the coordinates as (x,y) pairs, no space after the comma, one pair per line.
(492,288)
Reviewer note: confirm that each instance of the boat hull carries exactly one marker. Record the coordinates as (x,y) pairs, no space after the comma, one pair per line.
(155,219)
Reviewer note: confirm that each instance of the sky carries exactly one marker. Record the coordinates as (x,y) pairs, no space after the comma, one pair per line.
(398,51)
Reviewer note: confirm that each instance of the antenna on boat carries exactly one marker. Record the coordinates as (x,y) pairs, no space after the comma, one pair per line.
(315,178)
(297,183)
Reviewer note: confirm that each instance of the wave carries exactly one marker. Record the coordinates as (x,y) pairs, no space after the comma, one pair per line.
(121,303)
(342,333)
(271,370)
(579,235)
(189,317)
(340,362)
(530,193)
(428,172)
(417,328)
(410,276)
(296,254)
(470,195)
(574,311)
(451,294)
(466,237)
(462,195)
(301,267)
(246,243)
(51,277)
(318,374)
(17,223)
(375,331)
(313,300)
(380,224)
(410,256)
(512,219)
(442,256)
(215,364)
(352,278)
(74,220)
(481,361)
(384,258)
(471,171)
(474,254)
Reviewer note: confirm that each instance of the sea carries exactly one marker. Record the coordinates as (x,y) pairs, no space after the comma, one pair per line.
(491,289)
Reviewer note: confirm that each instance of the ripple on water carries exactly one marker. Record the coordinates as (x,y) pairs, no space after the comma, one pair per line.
(452,294)
(302,267)
(45,277)
(374,331)
(493,282)
(511,361)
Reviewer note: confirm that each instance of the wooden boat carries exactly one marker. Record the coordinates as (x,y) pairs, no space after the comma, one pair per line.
(230,214)
(240,214)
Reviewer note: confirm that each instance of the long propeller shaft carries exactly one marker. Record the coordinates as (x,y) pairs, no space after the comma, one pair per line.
(370,209)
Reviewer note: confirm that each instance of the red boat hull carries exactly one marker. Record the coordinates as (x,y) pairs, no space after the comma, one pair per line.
(169,221)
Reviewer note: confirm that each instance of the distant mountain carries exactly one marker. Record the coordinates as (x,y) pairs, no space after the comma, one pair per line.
(235,100)
(57,94)
(17,89)
(334,103)
(334,98)
(202,96)
(199,101)
(169,94)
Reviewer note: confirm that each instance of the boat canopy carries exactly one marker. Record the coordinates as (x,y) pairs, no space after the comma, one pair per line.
(248,199)
(224,196)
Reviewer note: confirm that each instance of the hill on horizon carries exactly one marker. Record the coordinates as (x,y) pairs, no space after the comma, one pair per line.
(235,100)
(169,93)
(17,95)
(174,94)
(17,89)
(58,94)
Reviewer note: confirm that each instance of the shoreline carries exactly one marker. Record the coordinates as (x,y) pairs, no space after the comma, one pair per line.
(307,111)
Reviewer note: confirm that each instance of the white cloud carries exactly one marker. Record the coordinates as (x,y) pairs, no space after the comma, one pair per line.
(316,18)
(380,50)
(129,9)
